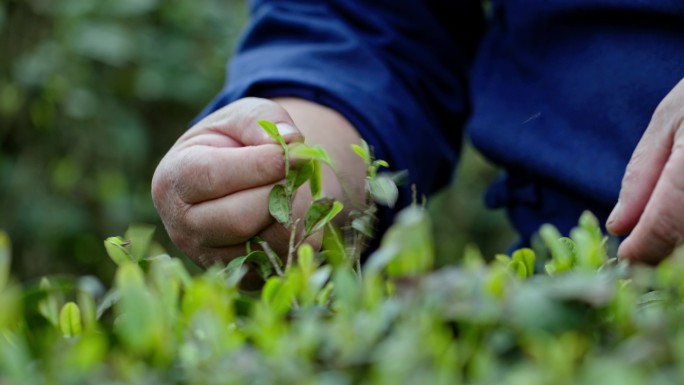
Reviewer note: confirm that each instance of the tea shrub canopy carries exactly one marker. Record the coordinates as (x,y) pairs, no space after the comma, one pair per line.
(583,319)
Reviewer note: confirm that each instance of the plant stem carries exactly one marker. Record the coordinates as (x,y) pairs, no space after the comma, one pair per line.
(272,257)
(291,245)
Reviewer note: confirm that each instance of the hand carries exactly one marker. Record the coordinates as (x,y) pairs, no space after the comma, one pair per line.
(651,203)
(211,189)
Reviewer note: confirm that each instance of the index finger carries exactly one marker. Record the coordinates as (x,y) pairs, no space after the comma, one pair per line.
(239,120)
(661,226)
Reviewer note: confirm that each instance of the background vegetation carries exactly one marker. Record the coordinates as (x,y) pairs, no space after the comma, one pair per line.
(93,93)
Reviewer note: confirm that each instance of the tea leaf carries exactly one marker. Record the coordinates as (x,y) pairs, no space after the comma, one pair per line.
(527,257)
(384,190)
(117,250)
(5,258)
(70,320)
(302,151)
(320,213)
(49,306)
(333,245)
(305,259)
(362,152)
(363,225)
(316,180)
(272,131)
(279,204)
(140,238)
(300,174)
(258,258)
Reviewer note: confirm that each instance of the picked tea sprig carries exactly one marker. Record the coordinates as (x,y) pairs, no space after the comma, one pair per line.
(280,201)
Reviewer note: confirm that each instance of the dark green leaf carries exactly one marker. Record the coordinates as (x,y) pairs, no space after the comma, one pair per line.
(279,204)
(316,180)
(300,174)
(320,213)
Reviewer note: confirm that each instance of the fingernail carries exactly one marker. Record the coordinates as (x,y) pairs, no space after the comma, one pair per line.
(613,214)
(285,129)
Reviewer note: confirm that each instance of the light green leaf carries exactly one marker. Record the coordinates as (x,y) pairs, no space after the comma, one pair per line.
(302,151)
(411,236)
(527,257)
(316,180)
(48,307)
(140,238)
(334,250)
(518,268)
(384,190)
(305,259)
(279,204)
(362,152)
(117,249)
(272,131)
(70,320)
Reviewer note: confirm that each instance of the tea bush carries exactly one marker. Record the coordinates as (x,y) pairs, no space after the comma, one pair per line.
(568,315)
(586,319)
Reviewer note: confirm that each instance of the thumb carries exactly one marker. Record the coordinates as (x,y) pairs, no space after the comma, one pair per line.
(239,121)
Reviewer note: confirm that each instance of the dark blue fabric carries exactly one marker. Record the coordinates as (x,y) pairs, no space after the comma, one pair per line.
(557,92)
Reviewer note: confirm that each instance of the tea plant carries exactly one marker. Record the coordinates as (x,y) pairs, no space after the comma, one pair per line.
(578,317)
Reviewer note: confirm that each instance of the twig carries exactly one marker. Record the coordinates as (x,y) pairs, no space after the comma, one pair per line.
(291,245)
(272,257)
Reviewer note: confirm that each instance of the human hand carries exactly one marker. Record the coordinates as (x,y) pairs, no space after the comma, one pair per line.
(651,203)
(211,188)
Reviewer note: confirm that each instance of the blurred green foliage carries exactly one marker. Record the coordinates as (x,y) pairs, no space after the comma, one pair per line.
(92,94)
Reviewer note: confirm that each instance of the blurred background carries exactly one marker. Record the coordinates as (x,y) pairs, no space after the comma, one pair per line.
(93,93)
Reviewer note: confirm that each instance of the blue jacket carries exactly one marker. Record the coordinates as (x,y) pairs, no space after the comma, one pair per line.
(556,92)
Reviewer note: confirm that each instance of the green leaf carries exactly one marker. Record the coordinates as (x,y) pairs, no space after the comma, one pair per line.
(258,258)
(117,249)
(411,236)
(272,131)
(527,257)
(362,152)
(334,250)
(140,238)
(70,320)
(300,174)
(302,151)
(384,190)
(518,268)
(364,225)
(305,259)
(279,204)
(5,258)
(316,180)
(320,213)
(48,307)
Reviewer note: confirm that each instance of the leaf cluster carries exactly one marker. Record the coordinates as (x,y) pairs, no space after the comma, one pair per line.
(576,318)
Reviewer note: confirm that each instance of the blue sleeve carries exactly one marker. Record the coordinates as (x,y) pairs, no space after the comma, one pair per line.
(395,69)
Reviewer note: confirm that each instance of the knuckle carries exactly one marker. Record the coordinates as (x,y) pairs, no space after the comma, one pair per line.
(272,164)
(666,230)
